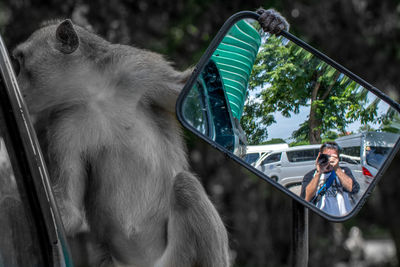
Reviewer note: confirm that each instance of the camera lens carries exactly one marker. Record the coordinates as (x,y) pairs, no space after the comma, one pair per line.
(323,159)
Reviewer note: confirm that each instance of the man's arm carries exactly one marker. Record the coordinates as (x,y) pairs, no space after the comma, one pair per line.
(344,179)
(356,187)
(311,188)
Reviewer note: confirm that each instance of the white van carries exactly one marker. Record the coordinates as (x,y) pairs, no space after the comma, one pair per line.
(365,152)
(253,153)
(288,166)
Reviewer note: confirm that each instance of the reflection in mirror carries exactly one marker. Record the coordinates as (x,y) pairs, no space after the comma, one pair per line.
(278,107)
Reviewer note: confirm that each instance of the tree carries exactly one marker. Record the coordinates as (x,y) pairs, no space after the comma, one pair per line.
(286,77)
(391,121)
(329,136)
(274,141)
(255,129)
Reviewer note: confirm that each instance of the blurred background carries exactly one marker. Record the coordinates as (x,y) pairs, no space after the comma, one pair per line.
(362,35)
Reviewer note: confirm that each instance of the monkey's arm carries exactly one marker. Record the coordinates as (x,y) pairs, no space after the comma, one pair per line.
(69,183)
(149,78)
(167,95)
(272,21)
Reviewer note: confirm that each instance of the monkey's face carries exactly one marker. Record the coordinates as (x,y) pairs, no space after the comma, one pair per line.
(48,61)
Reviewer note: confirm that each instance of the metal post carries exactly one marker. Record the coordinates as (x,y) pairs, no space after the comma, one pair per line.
(299,235)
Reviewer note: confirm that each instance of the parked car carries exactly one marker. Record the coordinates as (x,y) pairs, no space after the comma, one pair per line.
(365,152)
(288,166)
(253,153)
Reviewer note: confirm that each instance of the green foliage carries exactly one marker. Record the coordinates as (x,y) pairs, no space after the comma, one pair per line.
(302,134)
(330,135)
(274,141)
(286,77)
(299,143)
(256,130)
(365,128)
(391,122)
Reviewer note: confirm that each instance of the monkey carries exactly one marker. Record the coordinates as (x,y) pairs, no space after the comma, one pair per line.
(105,121)
(104,115)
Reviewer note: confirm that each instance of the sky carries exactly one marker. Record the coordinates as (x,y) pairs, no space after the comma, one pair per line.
(285,126)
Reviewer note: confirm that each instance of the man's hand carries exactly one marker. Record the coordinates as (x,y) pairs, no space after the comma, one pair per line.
(334,162)
(272,21)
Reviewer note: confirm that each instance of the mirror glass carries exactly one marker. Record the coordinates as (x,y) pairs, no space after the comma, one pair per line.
(274,105)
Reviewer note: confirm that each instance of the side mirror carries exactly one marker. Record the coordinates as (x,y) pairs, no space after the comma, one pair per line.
(270,102)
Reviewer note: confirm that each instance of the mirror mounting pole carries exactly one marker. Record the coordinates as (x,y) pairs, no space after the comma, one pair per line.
(299,235)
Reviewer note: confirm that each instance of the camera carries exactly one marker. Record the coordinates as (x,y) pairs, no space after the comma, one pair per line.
(323,159)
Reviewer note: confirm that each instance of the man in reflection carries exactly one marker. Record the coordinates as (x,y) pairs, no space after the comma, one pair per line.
(329,186)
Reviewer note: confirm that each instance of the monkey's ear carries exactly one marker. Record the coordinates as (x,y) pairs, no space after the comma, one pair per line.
(67,37)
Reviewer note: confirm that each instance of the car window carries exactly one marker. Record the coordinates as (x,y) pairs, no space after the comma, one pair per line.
(194,109)
(251,157)
(272,158)
(376,155)
(219,107)
(351,151)
(349,159)
(302,155)
(19,240)
(350,155)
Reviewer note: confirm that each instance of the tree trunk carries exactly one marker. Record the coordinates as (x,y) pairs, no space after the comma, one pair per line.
(314,124)
(314,133)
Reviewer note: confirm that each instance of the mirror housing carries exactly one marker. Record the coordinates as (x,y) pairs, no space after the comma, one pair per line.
(210,107)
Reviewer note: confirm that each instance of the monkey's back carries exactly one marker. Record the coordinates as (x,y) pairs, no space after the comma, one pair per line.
(107,127)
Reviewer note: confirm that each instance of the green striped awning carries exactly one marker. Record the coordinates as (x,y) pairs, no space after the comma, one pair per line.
(235,57)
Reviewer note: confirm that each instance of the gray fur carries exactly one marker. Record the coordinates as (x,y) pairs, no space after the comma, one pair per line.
(272,21)
(105,120)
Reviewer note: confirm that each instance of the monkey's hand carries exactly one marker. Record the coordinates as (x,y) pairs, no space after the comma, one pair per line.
(272,21)
(73,219)
(71,210)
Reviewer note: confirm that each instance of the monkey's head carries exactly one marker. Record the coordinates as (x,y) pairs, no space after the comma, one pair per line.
(53,64)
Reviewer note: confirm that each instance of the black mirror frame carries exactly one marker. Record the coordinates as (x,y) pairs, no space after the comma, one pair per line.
(204,59)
